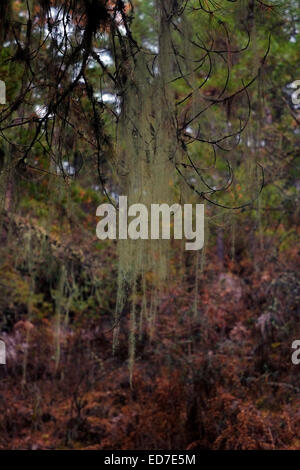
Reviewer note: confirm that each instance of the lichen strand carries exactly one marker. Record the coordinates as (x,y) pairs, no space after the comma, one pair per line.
(147,150)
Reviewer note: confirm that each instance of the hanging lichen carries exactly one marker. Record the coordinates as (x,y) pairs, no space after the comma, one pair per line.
(147,150)
(29,261)
(59,298)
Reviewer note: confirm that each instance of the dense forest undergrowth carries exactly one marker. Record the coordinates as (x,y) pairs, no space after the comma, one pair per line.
(215,379)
